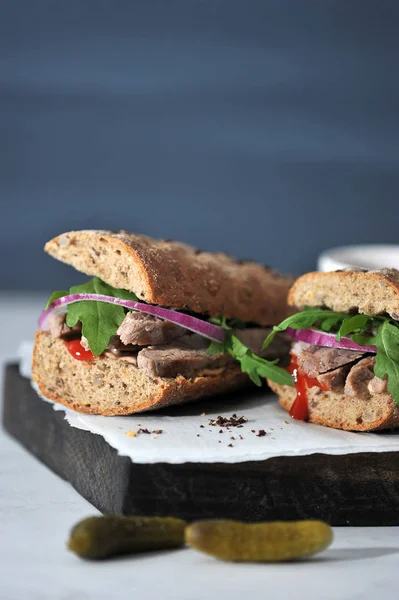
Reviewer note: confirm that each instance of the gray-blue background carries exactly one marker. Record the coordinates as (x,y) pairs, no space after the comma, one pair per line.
(267,129)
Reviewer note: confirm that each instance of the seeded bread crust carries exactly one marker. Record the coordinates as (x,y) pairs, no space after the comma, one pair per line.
(175,275)
(333,409)
(109,386)
(368,292)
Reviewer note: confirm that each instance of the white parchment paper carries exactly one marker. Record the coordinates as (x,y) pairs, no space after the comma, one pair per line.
(188,437)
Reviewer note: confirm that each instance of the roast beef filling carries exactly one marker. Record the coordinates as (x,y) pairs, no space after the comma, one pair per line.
(163,349)
(146,330)
(59,329)
(339,370)
(187,357)
(314,360)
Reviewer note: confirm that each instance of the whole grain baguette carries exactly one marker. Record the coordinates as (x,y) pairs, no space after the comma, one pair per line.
(175,275)
(368,292)
(334,409)
(110,386)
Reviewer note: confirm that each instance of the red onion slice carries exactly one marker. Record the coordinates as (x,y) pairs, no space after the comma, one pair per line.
(204,328)
(320,338)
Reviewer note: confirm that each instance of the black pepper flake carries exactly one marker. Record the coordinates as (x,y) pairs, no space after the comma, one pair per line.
(143,430)
(198,434)
(261,433)
(253,431)
(220,441)
(202,426)
(241,438)
(232,421)
(232,437)
(157,431)
(230,446)
(220,430)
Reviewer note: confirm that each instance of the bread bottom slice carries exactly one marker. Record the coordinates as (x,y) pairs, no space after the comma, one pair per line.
(334,409)
(110,386)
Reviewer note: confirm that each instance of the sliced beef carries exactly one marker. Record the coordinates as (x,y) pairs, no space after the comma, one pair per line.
(117,347)
(377,385)
(314,360)
(361,381)
(339,370)
(254,337)
(145,330)
(334,380)
(186,357)
(59,329)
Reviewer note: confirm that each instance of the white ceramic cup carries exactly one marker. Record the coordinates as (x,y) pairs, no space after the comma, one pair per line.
(368,256)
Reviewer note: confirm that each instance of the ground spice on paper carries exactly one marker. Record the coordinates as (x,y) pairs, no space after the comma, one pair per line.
(232,421)
(147,431)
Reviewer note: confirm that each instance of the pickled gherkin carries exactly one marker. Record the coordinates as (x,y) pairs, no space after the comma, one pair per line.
(105,536)
(259,542)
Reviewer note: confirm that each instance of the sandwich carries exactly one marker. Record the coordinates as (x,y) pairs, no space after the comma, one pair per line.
(345,350)
(158,323)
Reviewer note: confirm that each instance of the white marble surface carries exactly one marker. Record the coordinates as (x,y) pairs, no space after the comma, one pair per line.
(37,509)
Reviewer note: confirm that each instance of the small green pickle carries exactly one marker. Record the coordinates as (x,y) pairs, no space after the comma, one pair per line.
(101,537)
(259,542)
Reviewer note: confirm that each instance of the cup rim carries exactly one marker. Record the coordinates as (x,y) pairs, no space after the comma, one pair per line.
(342,257)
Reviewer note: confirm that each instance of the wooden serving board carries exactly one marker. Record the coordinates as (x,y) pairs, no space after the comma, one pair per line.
(353,489)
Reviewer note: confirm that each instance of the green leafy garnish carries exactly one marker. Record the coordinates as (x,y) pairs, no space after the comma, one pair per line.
(326,320)
(353,324)
(256,366)
(386,339)
(100,320)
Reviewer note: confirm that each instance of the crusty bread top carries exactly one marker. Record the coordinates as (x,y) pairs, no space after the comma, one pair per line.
(368,292)
(176,275)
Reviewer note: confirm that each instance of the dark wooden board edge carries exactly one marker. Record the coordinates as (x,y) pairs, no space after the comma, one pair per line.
(353,489)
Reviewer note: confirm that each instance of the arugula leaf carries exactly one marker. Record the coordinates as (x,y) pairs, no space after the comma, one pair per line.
(386,339)
(328,324)
(55,296)
(354,324)
(387,359)
(326,320)
(256,366)
(215,348)
(100,320)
